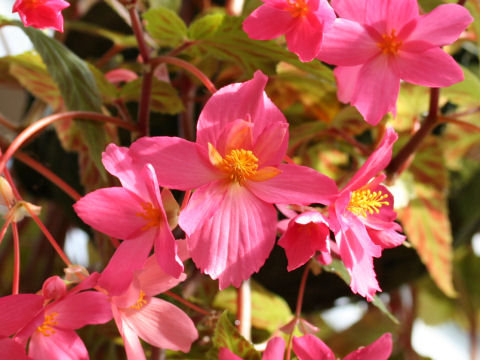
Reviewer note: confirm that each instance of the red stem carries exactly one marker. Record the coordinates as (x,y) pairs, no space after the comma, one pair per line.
(4,228)
(187,66)
(43,123)
(16,260)
(409,149)
(8,124)
(48,174)
(187,303)
(298,309)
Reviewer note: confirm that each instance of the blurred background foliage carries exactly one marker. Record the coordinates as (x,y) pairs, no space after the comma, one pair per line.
(434,277)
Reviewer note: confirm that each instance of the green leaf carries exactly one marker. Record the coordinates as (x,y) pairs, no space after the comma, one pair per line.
(221,37)
(466,92)
(164,96)
(126,41)
(269,311)
(109,92)
(165,26)
(30,71)
(337,267)
(77,86)
(227,336)
(426,223)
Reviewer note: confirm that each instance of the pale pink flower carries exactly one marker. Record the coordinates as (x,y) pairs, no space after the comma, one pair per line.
(138,314)
(377,43)
(302,21)
(307,234)
(134,213)
(41,13)
(310,347)
(47,322)
(362,219)
(237,171)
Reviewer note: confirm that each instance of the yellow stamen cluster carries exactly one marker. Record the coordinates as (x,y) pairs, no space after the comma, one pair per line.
(151,214)
(47,327)
(389,44)
(297,8)
(239,164)
(364,202)
(141,302)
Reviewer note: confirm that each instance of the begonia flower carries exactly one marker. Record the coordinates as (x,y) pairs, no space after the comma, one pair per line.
(309,347)
(134,213)
(138,314)
(236,169)
(377,43)
(302,21)
(306,234)
(362,218)
(274,351)
(41,14)
(50,330)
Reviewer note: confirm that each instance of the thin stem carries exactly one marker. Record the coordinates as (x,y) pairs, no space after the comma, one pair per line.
(49,236)
(114,50)
(16,260)
(466,125)
(244,309)
(144,105)
(138,31)
(7,124)
(187,303)
(27,160)
(187,66)
(43,123)
(298,309)
(5,228)
(409,149)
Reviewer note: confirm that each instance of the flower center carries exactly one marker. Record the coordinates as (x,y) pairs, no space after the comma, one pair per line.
(141,302)
(47,327)
(151,214)
(364,202)
(239,164)
(389,44)
(297,7)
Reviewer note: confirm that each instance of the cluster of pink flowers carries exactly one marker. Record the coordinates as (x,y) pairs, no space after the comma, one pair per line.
(237,174)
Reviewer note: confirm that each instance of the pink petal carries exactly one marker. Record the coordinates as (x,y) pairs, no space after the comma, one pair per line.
(133,347)
(347,79)
(443,25)
(271,145)
(226,354)
(61,345)
(42,15)
(351,10)
(53,288)
(376,162)
(118,162)
(378,350)
(12,350)
(153,280)
(267,22)
(233,242)
(309,347)
(389,15)
(306,234)
(17,311)
(377,89)
(432,68)
(129,256)
(112,211)
(295,185)
(179,164)
(343,36)
(246,101)
(77,310)
(162,324)
(305,37)
(275,349)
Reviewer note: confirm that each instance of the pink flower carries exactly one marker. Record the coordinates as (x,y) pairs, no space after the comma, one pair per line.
(235,167)
(310,347)
(134,213)
(377,43)
(362,219)
(306,234)
(41,13)
(138,314)
(302,21)
(52,321)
